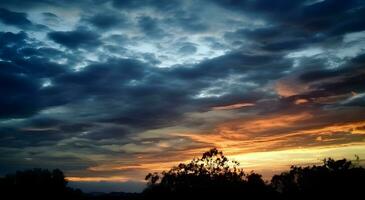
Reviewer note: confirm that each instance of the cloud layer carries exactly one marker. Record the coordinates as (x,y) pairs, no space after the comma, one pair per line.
(111,90)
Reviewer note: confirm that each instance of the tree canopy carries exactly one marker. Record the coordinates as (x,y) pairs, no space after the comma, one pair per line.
(209,176)
(333,179)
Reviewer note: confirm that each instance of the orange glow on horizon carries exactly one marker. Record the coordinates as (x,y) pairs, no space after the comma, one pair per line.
(251,143)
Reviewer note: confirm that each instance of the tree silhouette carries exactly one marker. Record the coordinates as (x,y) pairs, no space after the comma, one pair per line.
(334,179)
(211,176)
(37,184)
(214,176)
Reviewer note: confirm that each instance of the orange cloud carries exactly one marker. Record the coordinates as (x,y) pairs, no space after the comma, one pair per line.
(261,124)
(289,87)
(278,139)
(233,106)
(300,101)
(278,132)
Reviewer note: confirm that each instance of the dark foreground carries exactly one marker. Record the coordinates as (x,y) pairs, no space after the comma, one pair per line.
(212,176)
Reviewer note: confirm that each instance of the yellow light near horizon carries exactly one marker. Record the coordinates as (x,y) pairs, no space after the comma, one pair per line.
(266,163)
(271,162)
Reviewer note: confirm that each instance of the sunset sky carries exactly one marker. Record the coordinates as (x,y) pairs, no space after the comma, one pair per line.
(110,90)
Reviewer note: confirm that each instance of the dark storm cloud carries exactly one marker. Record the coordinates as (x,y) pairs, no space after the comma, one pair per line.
(305,23)
(151,58)
(346,85)
(14,18)
(337,87)
(234,63)
(106,82)
(311,16)
(19,20)
(67,163)
(108,20)
(133,71)
(15,88)
(112,132)
(133,85)
(22,78)
(274,39)
(12,39)
(79,38)
(354,66)
(21,86)
(15,47)
(42,123)
(31,4)
(151,27)
(162,5)
(187,21)
(113,74)
(285,45)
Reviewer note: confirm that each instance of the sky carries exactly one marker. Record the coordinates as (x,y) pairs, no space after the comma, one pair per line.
(110,90)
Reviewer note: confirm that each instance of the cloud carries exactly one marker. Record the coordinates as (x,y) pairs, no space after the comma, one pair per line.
(233,106)
(315,16)
(15,89)
(163,5)
(75,39)
(9,39)
(150,27)
(108,20)
(325,86)
(188,49)
(282,131)
(117,89)
(19,20)
(187,21)
(289,86)
(14,18)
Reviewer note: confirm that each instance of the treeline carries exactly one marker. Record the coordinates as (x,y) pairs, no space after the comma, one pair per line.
(213,176)
(37,184)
